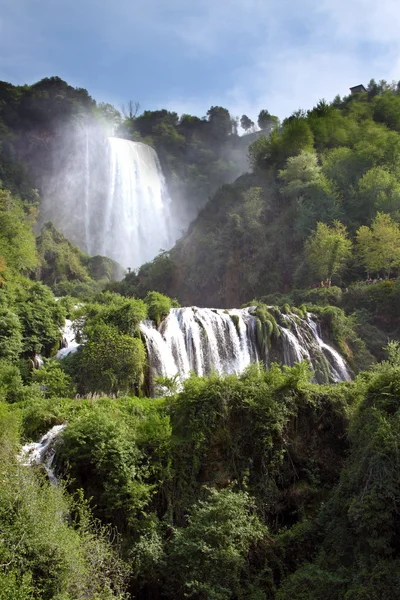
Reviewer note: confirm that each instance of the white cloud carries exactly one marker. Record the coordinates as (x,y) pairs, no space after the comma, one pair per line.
(280,54)
(345,42)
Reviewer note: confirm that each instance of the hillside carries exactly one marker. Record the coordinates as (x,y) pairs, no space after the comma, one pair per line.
(265,466)
(335,162)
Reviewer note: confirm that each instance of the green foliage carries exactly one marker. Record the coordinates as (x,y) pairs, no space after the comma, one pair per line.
(158,306)
(115,310)
(101,455)
(10,335)
(17,241)
(210,557)
(246,123)
(359,523)
(65,268)
(267,121)
(59,259)
(10,382)
(53,381)
(41,317)
(111,362)
(379,245)
(327,250)
(42,556)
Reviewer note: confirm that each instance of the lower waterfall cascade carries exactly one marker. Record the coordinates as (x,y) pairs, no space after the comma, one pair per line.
(42,452)
(204,340)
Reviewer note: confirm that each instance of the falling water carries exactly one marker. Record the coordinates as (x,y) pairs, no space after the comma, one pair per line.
(206,340)
(109,197)
(87,193)
(338,366)
(42,452)
(70,344)
(136,222)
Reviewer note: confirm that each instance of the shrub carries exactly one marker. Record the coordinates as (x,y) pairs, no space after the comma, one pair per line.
(158,306)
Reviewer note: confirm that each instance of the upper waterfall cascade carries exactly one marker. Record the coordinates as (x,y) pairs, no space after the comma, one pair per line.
(109,197)
(205,340)
(136,217)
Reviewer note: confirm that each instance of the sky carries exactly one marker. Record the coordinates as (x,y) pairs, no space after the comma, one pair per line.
(188,55)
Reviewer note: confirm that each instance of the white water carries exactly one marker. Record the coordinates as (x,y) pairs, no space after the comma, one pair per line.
(200,340)
(136,222)
(42,452)
(338,366)
(68,335)
(87,193)
(109,197)
(206,340)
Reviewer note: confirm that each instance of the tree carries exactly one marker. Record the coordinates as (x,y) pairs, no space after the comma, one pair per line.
(209,557)
(266,120)
(10,335)
(327,250)
(220,122)
(300,169)
(246,123)
(17,240)
(378,246)
(41,317)
(112,362)
(379,190)
(158,306)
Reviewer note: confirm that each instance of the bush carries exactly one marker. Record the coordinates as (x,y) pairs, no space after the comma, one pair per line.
(98,448)
(11,386)
(10,335)
(53,381)
(41,317)
(158,306)
(111,362)
(209,558)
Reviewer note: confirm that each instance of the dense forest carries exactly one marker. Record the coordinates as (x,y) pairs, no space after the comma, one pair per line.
(338,162)
(257,485)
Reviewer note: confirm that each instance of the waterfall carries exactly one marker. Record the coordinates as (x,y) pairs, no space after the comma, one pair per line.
(87,193)
(109,197)
(136,222)
(204,340)
(69,342)
(200,340)
(338,366)
(42,452)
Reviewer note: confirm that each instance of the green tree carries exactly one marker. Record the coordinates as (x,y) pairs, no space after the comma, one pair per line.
(101,454)
(246,123)
(378,246)
(41,317)
(379,190)
(327,249)
(54,381)
(10,335)
(301,169)
(111,362)
(17,241)
(158,306)
(266,120)
(209,557)
(220,123)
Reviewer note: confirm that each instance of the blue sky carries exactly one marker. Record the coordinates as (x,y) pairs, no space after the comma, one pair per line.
(187,55)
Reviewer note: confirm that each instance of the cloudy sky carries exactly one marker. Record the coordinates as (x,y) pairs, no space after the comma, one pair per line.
(187,55)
